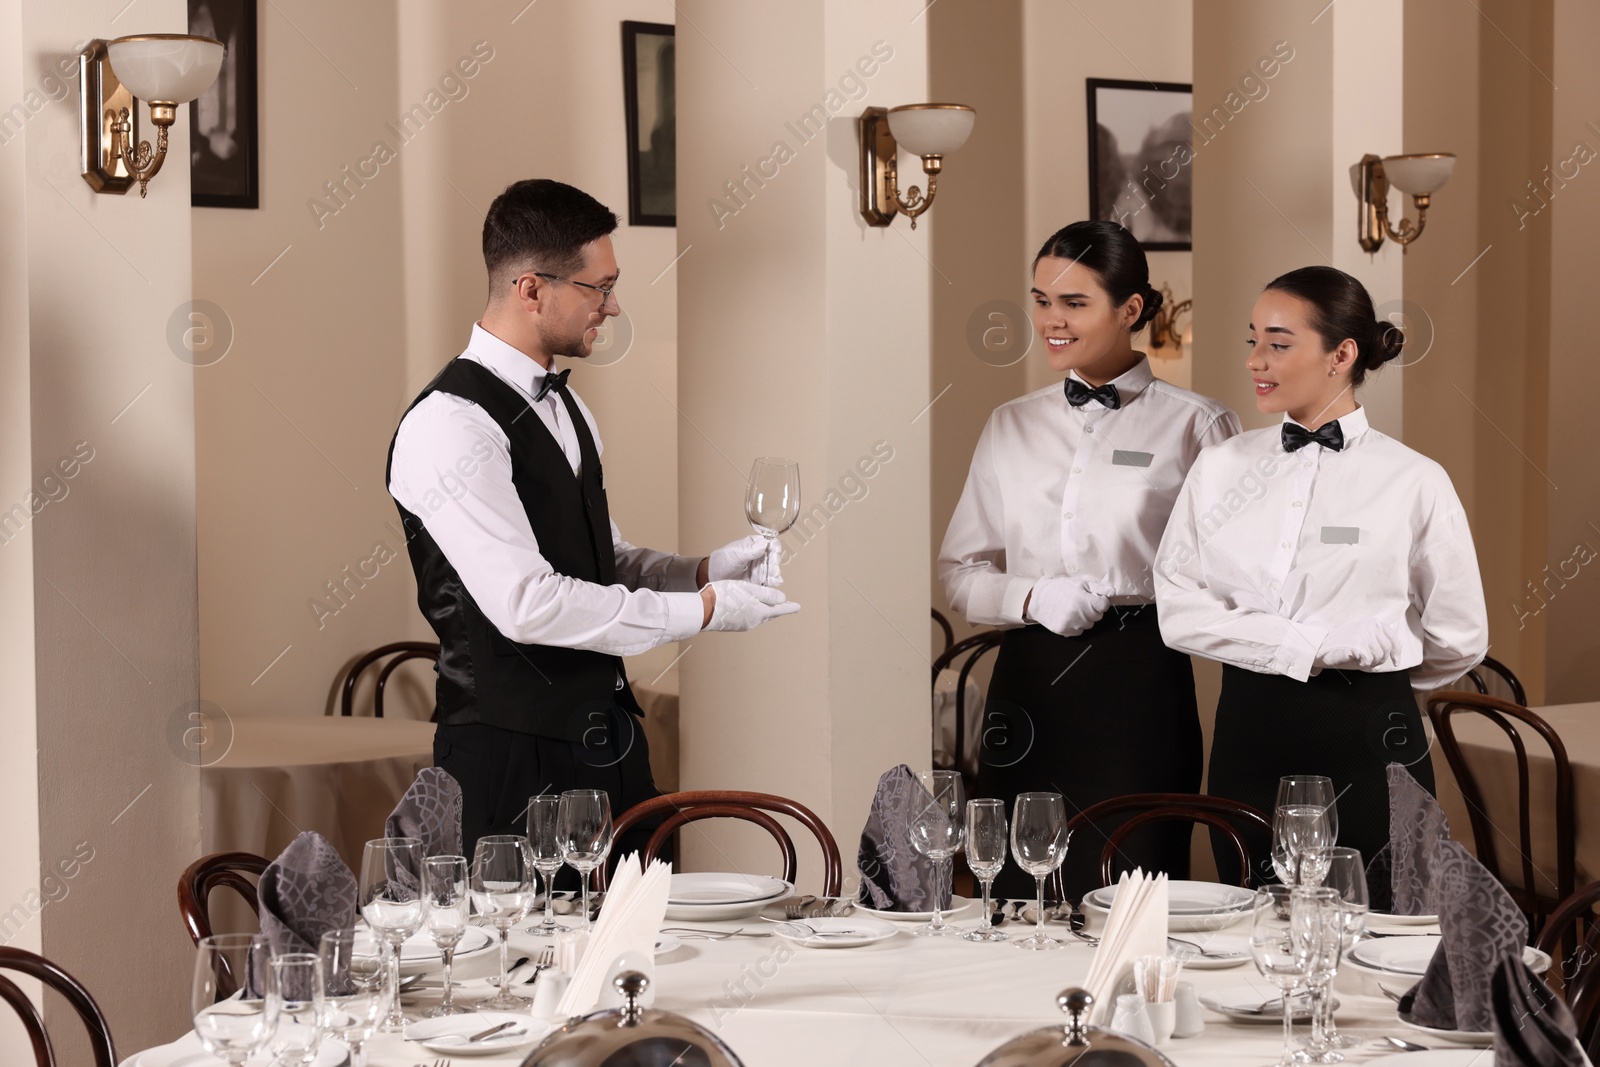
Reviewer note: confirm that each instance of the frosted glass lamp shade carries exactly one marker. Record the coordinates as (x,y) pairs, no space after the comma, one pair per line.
(169,68)
(931,129)
(1419,175)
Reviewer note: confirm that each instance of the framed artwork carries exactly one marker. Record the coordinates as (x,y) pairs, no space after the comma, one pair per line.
(649,93)
(223,143)
(1141,160)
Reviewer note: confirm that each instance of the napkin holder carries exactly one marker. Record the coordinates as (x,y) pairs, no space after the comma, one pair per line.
(631,1036)
(1059,1046)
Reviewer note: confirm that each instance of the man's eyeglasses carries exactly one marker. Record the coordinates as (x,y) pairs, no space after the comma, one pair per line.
(605,292)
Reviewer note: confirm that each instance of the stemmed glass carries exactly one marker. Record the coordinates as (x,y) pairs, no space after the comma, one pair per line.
(1347,877)
(358,991)
(503,888)
(1301,843)
(445,891)
(1319,915)
(772,499)
(938,827)
(1316,790)
(295,979)
(544,838)
(233,1028)
(583,826)
(391,903)
(1282,950)
(1039,839)
(986,855)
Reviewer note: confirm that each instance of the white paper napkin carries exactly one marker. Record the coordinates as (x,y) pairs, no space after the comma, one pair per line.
(635,908)
(1137,926)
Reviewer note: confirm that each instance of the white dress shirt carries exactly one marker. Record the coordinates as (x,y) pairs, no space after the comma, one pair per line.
(1269,550)
(452,469)
(1081,492)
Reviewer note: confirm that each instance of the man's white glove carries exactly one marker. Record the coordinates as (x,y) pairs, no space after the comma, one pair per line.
(1364,643)
(745,605)
(1068,606)
(749,559)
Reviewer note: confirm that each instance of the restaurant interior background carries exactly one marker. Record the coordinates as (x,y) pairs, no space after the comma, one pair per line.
(220,499)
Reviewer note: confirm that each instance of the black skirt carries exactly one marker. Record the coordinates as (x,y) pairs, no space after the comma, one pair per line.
(1100,715)
(1347,725)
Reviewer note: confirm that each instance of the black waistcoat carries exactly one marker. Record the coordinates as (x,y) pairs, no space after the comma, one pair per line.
(483,676)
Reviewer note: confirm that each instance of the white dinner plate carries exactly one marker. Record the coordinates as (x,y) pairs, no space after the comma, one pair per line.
(1224,950)
(666,943)
(449,1034)
(1474,1038)
(1239,1001)
(1190,905)
(725,888)
(418,953)
(1401,920)
(187,1052)
(958,904)
(836,932)
(1409,954)
(1449,1057)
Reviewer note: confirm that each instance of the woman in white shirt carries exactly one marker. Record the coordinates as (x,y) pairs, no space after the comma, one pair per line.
(1326,565)
(1055,536)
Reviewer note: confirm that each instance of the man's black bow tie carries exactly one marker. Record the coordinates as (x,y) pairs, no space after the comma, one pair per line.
(552,381)
(1079,394)
(1296,437)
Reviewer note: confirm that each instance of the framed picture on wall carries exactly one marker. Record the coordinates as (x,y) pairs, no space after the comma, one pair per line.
(223,168)
(649,94)
(1141,159)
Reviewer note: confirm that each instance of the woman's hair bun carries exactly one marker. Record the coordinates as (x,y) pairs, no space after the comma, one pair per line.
(1152,304)
(1388,340)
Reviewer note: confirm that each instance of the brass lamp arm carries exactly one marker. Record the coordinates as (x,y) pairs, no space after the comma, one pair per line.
(146,162)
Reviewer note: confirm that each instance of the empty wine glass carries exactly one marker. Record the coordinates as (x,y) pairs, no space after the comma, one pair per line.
(1347,876)
(295,979)
(583,822)
(544,838)
(938,827)
(503,888)
(772,499)
(233,1028)
(1282,952)
(1039,839)
(1311,789)
(445,894)
(358,991)
(986,855)
(1319,916)
(391,903)
(1301,844)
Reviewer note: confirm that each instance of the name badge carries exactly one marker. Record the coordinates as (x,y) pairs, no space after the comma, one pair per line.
(1341,535)
(1123,458)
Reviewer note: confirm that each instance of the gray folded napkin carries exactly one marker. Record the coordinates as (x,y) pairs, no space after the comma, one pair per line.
(1481,925)
(304,893)
(1532,1027)
(430,812)
(894,876)
(1416,827)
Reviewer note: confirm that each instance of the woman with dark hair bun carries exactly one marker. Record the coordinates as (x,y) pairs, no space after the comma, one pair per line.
(1325,564)
(1055,536)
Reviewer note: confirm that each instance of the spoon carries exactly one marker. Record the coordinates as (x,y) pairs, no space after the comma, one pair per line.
(1405,1046)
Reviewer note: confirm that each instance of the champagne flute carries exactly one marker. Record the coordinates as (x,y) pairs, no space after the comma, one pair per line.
(1347,876)
(445,893)
(1281,952)
(938,827)
(391,903)
(986,855)
(233,1028)
(1311,789)
(544,838)
(503,888)
(1301,844)
(295,980)
(583,826)
(1319,918)
(358,991)
(772,499)
(1039,839)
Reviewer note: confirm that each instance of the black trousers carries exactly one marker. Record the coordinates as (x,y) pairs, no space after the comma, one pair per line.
(500,769)
(1346,725)
(1100,715)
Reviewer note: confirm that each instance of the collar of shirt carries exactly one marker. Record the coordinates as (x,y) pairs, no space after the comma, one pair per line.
(516,367)
(1352,425)
(1130,383)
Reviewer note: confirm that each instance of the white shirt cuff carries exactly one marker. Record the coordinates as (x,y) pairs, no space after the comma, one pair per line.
(1014,597)
(1298,652)
(685,613)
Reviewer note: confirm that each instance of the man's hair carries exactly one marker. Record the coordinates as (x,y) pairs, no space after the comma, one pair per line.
(540,224)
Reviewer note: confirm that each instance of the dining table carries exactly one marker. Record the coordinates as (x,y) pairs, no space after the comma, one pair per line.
(934,1001)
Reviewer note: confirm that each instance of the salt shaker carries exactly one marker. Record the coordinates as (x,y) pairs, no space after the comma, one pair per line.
(1189,1020)
(1131,1018)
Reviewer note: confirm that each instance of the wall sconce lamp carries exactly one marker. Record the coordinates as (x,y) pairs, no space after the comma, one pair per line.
(1420,176)
(931,131)
(162,69)
(1164,327)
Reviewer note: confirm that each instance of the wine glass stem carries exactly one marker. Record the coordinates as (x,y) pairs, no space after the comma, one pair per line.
(1038,916)
(584,876)
(505,939)
(1288,1023)
(449,954)
(987,925)
(358,1053)
(395,1016)
(549,899)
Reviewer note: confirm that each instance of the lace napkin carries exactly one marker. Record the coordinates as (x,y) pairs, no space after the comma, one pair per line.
(430,812)
(1532,1027)
(1416,826)
(895,876)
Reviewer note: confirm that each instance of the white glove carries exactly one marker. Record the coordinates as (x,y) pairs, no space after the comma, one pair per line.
(1068,606)
(744,605)
(1363,643)
(749,559)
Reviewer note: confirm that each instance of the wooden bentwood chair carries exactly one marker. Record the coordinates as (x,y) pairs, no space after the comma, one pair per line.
(53,977)
(973,648)
(212,872)
(1572,937)
(694,805)
(1219,813)
(401,651)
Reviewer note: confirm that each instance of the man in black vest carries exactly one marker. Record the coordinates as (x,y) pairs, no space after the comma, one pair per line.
(533,592)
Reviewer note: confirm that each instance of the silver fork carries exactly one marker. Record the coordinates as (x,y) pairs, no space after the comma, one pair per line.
(543,962)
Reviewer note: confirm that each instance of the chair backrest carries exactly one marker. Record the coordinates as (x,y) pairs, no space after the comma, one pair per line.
(210,872)
(1219,813)
(1504,714)
(691,806)
(53,977)
(1572,937)
(944,628)
(1492,669)
(402,651)
(969,650)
